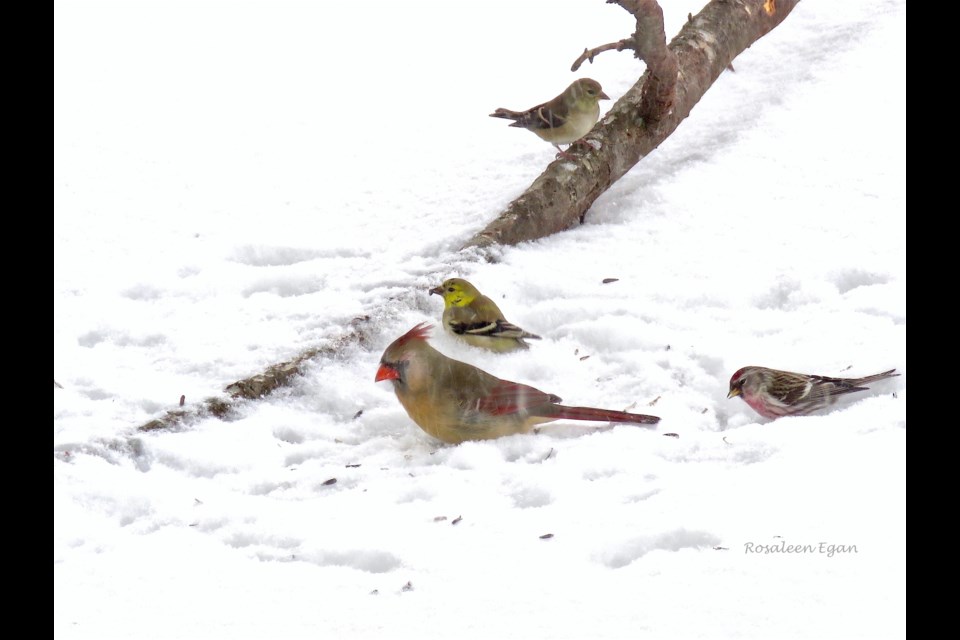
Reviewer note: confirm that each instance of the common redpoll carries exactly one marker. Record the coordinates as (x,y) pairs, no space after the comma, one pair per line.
(773,393)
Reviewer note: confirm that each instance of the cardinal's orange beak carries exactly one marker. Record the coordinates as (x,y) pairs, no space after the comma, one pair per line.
(386,372)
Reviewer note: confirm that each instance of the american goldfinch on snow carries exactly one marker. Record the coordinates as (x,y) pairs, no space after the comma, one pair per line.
(566,118)
(773,393)
(477,319)
(454,401)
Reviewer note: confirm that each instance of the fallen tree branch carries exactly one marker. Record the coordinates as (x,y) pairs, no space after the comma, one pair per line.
(259,385)
(643,118)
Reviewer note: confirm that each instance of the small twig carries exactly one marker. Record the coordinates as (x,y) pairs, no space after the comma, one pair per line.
(648,43)
(589,54)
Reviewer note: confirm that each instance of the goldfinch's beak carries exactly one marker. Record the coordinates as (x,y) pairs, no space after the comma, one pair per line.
(437,290)
(386,372)
(603,96)
(734,393)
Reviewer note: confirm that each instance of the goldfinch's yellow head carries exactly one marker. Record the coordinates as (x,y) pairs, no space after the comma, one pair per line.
(456,292)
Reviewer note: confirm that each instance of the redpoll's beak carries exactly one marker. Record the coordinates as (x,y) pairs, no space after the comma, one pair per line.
(736,391)
(437,290)
(386,372)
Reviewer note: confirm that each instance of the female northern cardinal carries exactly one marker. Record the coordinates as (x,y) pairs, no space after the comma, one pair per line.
(454,401)
(773,393)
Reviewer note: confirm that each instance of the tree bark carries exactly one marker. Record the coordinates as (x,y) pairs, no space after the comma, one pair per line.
(676,78)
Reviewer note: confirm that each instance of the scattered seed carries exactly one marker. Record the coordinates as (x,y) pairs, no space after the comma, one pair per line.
(456,520)
(439,518)
(353,466)
(609,280)
(654,401)
(326,483)
(374,592)
(667,348)
(705,409)
(582,358)
(546,536)
(719,548)
(182,400)
(672,435)
(549,453)
(407,587)
(358,414)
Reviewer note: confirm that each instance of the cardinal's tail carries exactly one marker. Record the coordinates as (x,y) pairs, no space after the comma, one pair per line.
(601,415)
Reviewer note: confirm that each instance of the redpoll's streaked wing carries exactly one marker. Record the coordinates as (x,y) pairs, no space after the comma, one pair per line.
(790,388)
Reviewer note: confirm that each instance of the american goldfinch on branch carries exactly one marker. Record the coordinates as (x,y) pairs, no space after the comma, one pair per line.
(477,319)
(566,118)
(773,393)
(454,401)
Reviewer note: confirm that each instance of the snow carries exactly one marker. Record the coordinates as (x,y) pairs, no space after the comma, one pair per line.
(235,182)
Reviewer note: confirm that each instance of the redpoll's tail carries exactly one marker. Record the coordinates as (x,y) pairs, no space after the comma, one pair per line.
(877,376)
(601,415)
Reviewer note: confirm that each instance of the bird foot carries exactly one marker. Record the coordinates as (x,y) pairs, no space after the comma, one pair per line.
(566,155)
